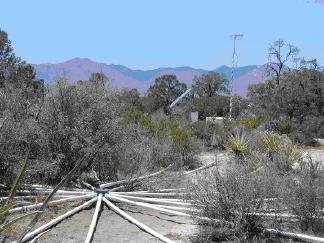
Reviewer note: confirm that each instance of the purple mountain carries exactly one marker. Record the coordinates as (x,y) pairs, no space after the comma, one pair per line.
(254,76)
(124,77)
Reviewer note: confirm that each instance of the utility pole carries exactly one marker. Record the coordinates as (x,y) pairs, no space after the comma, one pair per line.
(234,37)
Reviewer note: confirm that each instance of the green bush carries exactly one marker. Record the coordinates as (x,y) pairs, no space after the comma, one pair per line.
(271,141)
(250,122)
(181,138)
(239,144)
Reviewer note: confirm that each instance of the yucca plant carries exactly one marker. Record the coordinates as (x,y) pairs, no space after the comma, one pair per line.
(271,141)
(4,210)
(239,144)
(293,152)
(250,122)
(256,160)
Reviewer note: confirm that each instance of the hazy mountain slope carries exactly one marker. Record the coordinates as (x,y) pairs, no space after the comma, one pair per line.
(254,76)
(122,76)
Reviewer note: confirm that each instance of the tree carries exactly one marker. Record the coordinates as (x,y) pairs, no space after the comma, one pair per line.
(164,91)
(211,84)
(131,98)
(21,97)
(212,106)
(295,105)
(7,57)
(279,54)
(99,78)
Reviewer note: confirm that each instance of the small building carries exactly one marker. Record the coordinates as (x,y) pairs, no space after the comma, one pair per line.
(216,120)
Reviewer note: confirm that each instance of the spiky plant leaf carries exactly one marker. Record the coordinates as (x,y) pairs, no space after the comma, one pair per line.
(15,220)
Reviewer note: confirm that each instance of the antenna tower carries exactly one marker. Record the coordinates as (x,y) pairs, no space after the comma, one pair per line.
(234,37)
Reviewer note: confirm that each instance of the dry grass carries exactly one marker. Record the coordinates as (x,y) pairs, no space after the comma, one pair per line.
(175,236)
(310,148)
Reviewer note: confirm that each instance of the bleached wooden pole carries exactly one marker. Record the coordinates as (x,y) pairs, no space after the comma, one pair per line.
(163,190)
(94,220)
(18,197)
(32,197)
(295,235)
(51,203)
(48,191)
(148,194)
(161,209)
(39,188)
(175,208)
(137,223)
(147,205)
(156,200)
(126,181)
(204,167)
(53,222)
(117,188)
(279,215)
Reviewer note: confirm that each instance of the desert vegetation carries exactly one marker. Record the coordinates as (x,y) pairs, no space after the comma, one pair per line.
(104,134)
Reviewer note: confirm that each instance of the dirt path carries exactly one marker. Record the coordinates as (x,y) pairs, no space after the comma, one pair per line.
(316,154)
(113,228)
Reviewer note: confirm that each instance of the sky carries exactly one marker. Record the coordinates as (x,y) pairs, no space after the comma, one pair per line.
(146,34)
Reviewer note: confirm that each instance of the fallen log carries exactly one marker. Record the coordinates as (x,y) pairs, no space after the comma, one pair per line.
(94,220)
(137,223)
(53,222)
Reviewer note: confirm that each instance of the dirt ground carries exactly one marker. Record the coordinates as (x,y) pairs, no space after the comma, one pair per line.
(113,228)
(316,154)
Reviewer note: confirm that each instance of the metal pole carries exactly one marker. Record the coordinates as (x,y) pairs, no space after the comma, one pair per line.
(234,37)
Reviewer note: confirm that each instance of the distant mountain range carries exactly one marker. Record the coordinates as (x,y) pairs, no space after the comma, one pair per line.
(124,77)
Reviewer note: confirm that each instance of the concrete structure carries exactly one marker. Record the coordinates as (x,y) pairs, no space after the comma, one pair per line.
(193,116)
(216,120)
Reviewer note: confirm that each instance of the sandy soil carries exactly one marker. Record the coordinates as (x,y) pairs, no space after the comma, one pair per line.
(316,154)
(113,228)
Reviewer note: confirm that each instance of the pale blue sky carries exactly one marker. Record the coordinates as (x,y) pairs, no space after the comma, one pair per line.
(152,33)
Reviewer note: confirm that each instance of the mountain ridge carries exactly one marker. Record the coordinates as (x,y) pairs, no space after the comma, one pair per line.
(124,77)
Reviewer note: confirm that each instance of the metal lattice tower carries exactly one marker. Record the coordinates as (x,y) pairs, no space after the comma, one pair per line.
(234,37)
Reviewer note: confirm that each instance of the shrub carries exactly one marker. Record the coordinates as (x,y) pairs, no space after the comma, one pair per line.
(233,198)
(303,194)
(284,127)
(250,122)
(211,134)
(239,144)
(184,143)
(166,131)
(271,141)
